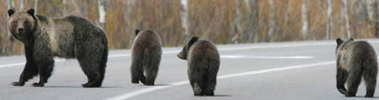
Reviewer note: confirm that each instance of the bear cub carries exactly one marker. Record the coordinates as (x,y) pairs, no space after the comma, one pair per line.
(356,59)
(69,37)
(203,64)
(146,56)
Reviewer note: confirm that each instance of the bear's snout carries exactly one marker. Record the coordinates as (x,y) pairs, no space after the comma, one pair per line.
(20,31)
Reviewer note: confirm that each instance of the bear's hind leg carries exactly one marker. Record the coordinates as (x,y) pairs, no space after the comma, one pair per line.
(92,71)
(137,73)
(45,71)
(197,89)
(370,79)
(353,81)
(151,74)
(210,86)
(341,80)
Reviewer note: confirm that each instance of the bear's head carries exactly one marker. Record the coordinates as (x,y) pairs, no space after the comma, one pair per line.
(183,54)
(21,24)
(341,45)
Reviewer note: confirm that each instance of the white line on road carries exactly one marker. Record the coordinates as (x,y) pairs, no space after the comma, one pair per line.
(221,49)
(151,89)
(266,57)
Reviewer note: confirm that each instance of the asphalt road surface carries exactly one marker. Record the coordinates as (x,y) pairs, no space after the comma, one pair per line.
(262,71)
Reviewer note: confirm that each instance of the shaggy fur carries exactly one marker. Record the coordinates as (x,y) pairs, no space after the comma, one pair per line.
(354,60)
(203,64)
(146,56)
(67,37)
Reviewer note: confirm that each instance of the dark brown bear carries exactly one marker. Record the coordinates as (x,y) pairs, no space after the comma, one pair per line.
(203,64)
(68,37)
(146,56)
(354,60)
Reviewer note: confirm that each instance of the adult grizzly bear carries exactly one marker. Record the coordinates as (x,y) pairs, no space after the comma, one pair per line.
(354,60)
(67,37)
(146,56)
(203,64)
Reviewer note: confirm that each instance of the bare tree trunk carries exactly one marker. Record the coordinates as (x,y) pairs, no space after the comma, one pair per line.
(102,6)
(251,10)
(185,21)
(22,6)
(347,21)
(35,6)
(76,8)
(272,20)
(329,16)
(64,7)
(127,14)
(304,16)
(373,15)
(4,40)
(235,24)
(359,12)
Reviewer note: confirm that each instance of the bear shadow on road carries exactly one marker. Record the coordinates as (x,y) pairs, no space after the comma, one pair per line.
(158,85)
(362,97)
(80,87)
(222,95)
(217,96)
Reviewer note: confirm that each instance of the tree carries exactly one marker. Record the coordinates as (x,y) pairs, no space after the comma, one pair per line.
(251,9)
(329,17)
(347,21)
(236,23)
(184,16)
(272,20)
(35,6)
(102,5)
(22,6)
(373,15)
(304,16)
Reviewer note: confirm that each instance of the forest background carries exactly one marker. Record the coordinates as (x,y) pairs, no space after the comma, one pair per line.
(220,21)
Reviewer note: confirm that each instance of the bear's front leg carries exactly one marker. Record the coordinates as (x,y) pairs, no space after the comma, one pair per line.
(30,70)
(45,72)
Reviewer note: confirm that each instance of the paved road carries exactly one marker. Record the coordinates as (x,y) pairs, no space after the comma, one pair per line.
(264,71)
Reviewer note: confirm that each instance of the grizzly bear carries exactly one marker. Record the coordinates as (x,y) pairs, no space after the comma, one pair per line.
(146,56)
(354,60)
(69,37)
(203,64)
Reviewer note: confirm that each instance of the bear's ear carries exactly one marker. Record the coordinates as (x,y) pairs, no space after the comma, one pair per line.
(339,41)
(11,12)
(137,31)
(193,40)
(30,12)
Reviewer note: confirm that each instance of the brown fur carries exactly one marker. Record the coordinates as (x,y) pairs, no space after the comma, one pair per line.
(69,37)
(354,60)
(146,56)
(203,65)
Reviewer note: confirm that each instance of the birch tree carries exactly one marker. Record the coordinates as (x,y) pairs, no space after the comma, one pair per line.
(22,6)
(372,11)
(35,6)
(184,16)
(236,23)
(329,17)
(102,6)
(251,9)
(76,8)
(64,2)
(5,39)
(347,21)
(127,18)
(272,20)
(304,16)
